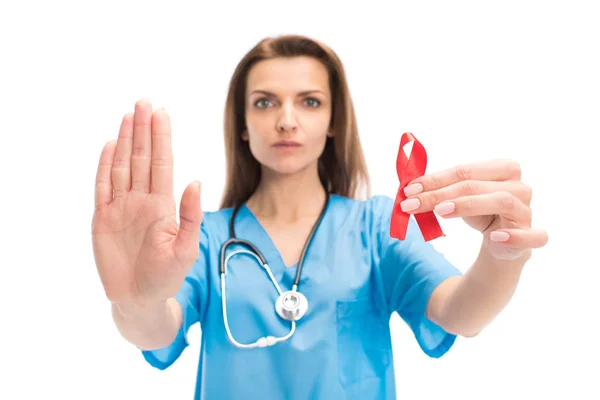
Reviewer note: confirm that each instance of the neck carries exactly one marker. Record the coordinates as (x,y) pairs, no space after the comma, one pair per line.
(288,198)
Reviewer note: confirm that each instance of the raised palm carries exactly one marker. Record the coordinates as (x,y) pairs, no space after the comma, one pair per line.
(141,253)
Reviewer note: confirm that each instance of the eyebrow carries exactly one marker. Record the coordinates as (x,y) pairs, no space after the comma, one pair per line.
(304,93)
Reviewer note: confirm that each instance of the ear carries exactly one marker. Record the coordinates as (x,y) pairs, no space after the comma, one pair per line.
(245,136)
(330,134)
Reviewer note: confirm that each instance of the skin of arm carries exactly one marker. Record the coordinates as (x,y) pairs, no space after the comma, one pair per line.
(465,305)
(151,326)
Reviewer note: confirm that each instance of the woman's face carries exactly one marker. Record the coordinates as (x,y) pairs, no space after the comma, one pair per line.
(288,110)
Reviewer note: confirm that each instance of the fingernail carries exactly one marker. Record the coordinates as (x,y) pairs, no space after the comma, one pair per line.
(410,205)
(499,236)
(444,208)
(413,189)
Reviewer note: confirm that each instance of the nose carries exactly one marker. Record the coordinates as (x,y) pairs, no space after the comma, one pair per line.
(287,120)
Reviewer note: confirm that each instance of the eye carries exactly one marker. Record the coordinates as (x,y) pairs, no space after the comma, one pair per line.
(312,102)
(262,103)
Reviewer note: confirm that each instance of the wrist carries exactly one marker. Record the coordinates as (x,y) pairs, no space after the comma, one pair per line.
(140,308)
(489,270)
(492,255)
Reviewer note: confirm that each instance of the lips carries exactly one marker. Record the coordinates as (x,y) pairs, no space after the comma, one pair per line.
(287,144)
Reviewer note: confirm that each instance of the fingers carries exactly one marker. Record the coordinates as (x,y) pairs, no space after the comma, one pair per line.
(520,238)
(144,158)
(504,204)
(104,188)
(141,150)
(190,218)
(162,154)
(497,170)
(121,166)
(426,201)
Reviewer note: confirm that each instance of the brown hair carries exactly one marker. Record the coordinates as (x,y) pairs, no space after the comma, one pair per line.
(342,167)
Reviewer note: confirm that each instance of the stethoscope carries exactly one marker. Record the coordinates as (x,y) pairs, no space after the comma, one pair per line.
(290,305)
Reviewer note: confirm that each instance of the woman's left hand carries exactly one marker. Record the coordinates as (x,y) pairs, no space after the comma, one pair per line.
(489,196)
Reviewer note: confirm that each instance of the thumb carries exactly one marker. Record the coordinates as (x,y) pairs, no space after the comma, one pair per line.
(190,218)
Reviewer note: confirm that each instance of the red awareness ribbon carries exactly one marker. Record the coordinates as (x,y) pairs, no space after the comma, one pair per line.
(409,169)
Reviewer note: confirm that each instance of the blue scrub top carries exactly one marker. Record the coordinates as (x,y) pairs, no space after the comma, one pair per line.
(354,277)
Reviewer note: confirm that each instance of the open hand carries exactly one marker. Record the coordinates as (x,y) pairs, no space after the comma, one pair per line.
(142,254)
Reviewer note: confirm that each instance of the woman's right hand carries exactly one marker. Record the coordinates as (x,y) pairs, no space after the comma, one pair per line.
(141,253)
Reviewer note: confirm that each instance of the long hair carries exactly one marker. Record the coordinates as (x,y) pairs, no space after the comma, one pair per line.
(342,168)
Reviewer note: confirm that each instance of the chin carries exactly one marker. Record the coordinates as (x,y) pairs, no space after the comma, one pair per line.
(287,167)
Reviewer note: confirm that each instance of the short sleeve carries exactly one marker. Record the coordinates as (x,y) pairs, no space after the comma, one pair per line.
(192,297)
(410,270)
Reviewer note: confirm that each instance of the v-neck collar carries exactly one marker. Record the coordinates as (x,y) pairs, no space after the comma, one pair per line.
(265,243)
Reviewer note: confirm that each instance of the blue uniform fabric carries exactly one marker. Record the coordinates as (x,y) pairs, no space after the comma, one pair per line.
(354,277)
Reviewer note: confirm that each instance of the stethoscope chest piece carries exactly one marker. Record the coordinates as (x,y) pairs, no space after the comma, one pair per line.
(291,305)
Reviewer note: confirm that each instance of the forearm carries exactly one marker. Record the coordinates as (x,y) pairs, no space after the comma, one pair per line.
(148,327)
(481,294)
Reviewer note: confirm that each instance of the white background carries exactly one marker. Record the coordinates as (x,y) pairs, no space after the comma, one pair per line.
(472,80)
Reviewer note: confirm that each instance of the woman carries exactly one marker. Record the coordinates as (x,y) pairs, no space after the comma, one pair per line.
(295,171)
